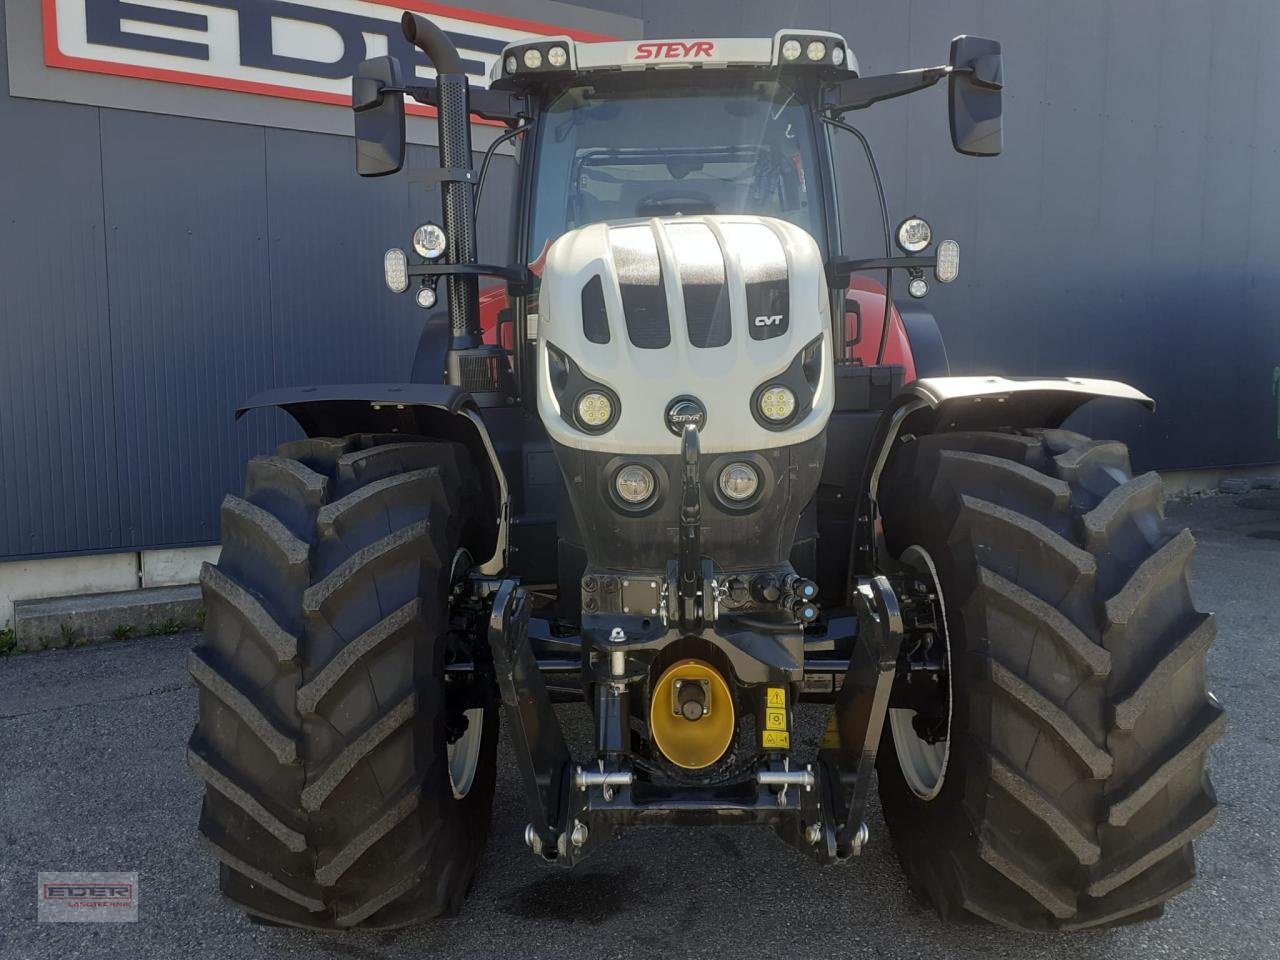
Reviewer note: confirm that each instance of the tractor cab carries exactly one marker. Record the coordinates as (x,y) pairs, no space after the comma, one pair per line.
(605,131)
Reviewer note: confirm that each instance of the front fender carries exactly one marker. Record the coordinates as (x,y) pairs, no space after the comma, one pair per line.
(939,404)
(436,410)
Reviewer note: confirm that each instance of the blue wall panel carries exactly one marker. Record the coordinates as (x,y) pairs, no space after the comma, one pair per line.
(156,270)
(190,295)
(58,460)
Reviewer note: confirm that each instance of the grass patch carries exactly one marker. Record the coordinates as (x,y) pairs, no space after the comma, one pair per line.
(8,642)
(166,629)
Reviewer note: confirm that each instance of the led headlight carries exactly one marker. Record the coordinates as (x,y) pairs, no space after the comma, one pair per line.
(634,483)
(430,241)
(425,297)
(948,266)
(837,54)
(511,63)
(816,50)
(395,270)
(914,234)
(533,58)
(557,56)
(918,287)
(595,409)
(791,50)
(739,481)
(777,404)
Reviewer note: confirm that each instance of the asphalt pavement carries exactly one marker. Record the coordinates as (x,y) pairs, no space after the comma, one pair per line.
(92,777)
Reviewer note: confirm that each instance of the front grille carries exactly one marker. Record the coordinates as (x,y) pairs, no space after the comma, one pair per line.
(706,311)
(645,308)
(702,279)
(644,299)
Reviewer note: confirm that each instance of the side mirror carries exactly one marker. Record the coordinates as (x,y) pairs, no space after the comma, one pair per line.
(379,114)
(976,85)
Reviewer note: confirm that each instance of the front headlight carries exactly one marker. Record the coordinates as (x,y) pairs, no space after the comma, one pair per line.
(430,241)
(635,484)
(739,481)
(777,404)
(595,409)
(914,234)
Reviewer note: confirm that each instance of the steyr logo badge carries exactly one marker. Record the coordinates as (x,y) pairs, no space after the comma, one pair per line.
(683,411)
(675,50)
(774,320)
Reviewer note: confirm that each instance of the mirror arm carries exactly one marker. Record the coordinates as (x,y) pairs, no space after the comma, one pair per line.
(839,268)
(486,104)
(519,279)
(858,93)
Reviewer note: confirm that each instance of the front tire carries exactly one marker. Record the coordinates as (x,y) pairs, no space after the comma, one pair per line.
(1080,719)
(325,728)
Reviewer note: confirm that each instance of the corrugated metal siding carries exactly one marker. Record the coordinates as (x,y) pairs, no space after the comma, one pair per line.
(155,270)
(58,481)
(191,318)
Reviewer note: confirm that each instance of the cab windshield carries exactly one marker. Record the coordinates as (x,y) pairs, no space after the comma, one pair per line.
(604,153)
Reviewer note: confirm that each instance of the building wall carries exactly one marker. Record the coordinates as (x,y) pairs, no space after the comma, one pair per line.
(157,269)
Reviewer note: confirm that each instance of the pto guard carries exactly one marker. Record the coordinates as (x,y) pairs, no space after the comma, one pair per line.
(943,404)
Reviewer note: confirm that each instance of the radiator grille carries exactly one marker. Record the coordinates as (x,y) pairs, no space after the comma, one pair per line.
(644,299)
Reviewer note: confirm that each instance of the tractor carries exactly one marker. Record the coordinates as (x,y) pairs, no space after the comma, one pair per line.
(689,462)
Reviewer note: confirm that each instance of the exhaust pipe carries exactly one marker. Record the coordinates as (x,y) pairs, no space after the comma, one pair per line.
(454,125)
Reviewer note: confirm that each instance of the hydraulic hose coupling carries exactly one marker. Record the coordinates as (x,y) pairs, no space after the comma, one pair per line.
(801,593)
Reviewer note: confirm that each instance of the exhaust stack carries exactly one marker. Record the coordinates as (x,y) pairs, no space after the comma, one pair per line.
(454,125)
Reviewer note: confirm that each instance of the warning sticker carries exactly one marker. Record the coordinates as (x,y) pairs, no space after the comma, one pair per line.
(777,739)
(777,697)
(775,719)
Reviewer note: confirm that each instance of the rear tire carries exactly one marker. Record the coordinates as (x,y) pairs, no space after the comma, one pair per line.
(1080,718)
(324,724)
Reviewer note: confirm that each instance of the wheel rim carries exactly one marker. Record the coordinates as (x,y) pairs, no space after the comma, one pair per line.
(464,752)
(924,764)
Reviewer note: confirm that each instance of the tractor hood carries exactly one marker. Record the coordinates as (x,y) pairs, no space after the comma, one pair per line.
(718,321)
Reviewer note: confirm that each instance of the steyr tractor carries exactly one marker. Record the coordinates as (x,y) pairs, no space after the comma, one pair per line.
(691,466)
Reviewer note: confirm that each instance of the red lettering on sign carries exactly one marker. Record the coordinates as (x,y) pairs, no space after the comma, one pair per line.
(675,50)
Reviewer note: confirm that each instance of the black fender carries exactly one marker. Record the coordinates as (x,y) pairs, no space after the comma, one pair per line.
(942,404)
(436,410)
(928,351)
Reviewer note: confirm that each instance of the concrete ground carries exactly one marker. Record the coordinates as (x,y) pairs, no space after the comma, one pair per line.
(92,778)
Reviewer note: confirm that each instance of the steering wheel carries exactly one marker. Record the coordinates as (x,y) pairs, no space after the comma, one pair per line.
(670,203)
